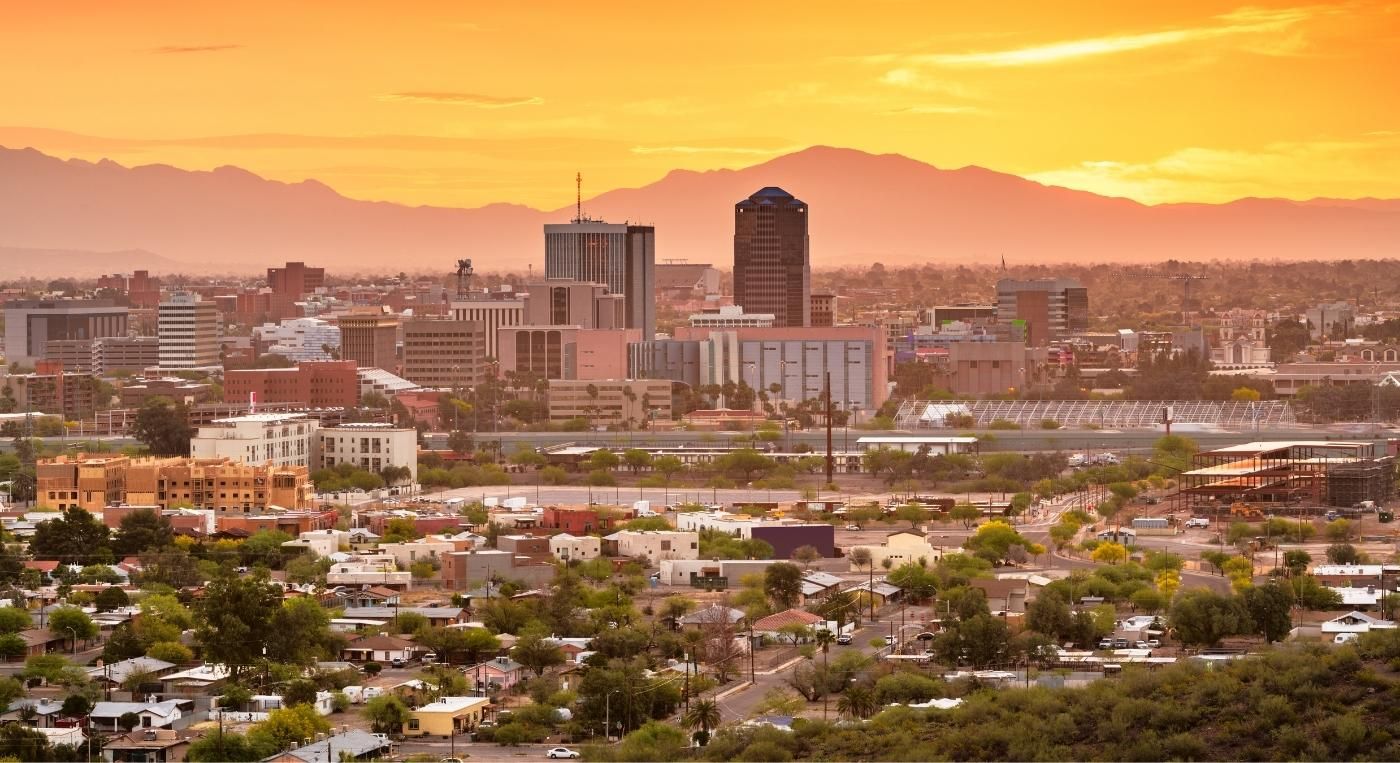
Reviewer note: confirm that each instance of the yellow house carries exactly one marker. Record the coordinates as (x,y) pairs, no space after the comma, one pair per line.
(901,548)
(449,715)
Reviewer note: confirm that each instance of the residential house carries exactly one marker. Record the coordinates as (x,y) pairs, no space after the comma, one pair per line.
(1003,595)
(818,585)
(536,547)
(380,648)
(712,615)
(571,647)
(321,543)
(447,716)
(169,714)
(47,711)
(436,615)
(408,552)
(574,520)
(146,746)
(349,597)
(468,569)
(566,547)
(1355,622)
(351,744)
(202,680)
(39,641)
(884,593)
(499,674)
(773,625)
(653,545)
(899,548)
(115,673)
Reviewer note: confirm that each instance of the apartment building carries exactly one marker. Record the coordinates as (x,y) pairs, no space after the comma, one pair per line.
(94,482)
(568,548)
(282,439)
(368,446)
(188,329)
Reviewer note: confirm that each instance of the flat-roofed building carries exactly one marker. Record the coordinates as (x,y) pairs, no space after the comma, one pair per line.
(631,402)
(94,482)
(444,352)
(371,447)
(283,439)
(315,384)
(31,324)
(369,336)
(188,329)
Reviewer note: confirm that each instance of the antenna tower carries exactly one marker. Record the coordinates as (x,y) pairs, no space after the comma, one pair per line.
(578,197)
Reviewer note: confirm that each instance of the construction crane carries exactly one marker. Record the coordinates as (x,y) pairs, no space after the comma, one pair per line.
(464,278)
(1185,279)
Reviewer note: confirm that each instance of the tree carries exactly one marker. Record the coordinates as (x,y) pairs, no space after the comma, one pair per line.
(912,513)
(299,692)
(286,725)
(128,721)
(12,645)
(300,633)
(14,620)
(235,619)
(1109,553)
(965,513)
(746,463)
(76,536)
(782,583)
(1296,561)
(111,598)
(1269,608)
(76,706)
(1202,617)
(806,556)
(163,426)
(72,622)
(170,651)
(860,556)
(1049,614)
(1343,553)
(20,742)
(636,459)
(140,530)
(535,652)
(857,702)
(993,541)
(703,715)
(1338,530)
(459,442)
(49,667)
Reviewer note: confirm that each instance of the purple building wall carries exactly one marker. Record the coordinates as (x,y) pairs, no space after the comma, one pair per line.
(788,538)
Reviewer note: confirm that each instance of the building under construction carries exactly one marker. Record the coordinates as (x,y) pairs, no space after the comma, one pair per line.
(1300,473)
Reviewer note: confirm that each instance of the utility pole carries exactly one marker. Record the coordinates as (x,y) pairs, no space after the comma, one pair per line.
(830,460)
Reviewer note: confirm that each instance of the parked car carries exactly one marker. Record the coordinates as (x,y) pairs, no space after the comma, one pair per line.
(1345,638)
(1106,643)
(1120,643)
(562,752)
(1331,515)
(852,527)
(844,639)
(1142,645)
(397,662)
(1153,643)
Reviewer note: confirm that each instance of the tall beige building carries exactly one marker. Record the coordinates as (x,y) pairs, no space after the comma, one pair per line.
(369,337)
(444,352)
(188,330)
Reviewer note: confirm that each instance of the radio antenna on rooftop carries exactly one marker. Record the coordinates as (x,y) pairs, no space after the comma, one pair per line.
(578,197)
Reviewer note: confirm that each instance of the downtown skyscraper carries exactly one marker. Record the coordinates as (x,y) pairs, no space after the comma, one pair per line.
(619,255)
(772,261)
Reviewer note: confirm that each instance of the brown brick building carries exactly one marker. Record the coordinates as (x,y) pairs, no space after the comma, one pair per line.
(318,384)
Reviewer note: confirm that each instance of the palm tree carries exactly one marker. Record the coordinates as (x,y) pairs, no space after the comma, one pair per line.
(856,702)
(824,639)
(704,715)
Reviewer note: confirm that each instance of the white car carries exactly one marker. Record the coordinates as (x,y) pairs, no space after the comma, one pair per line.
(562,752)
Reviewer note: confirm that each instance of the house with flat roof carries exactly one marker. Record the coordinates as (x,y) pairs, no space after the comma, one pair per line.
(146,746)
(447,716)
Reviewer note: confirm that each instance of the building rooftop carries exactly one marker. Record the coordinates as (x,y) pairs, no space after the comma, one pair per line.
(452,704)
(266,418)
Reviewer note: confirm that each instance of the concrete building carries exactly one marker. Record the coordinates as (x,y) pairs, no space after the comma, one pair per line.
(900,547)
(444,353)
(447,716)
(74,356)
(550,352)
(369,336)
(50,390)
(772,268)
(797,360)
(31,324)
(617,402)
(987,368)
(316,384)
(282,439)
(371,447)
(621,256)
(653,545)
(173,387)
(730,317)
(126,353)
(566,547)
(823,310)
(603,353)
(563,302)
(221,485)
(687,571)
(1333,320)
(493,315)
(683,281)
(466,570)
(1048,308)
(408,552)
(298,339)
(188,329)
(319,543)
(379,381)
(360,571)
(295,280)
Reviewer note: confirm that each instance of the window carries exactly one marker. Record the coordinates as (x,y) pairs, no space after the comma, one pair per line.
(412,724)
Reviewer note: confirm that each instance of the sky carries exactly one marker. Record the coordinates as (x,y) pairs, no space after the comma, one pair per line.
(468,103)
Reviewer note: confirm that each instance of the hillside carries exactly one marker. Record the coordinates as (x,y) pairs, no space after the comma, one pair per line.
(864,208)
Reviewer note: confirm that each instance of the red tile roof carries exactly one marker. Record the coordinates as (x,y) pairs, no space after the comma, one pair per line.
(790,617)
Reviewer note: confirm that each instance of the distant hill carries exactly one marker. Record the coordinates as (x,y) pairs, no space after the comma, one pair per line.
(864,208)
(52,264)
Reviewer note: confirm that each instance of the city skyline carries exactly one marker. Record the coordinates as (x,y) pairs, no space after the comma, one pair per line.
(463,106)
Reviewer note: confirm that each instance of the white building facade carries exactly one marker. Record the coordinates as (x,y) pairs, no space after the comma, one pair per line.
(300,339)
(188,330)
(367,446)
(280,439)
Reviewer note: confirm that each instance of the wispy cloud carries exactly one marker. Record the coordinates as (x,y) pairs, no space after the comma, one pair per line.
(732,150)
(938,108)
(474,100)
(1243,22)
(1366,165)
(194,48)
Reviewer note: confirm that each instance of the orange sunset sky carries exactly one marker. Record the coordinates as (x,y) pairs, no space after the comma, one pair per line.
(467,103)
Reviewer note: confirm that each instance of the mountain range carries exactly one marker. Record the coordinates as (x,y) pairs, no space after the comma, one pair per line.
(92,217)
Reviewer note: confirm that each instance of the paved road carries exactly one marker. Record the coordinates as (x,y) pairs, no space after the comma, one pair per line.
(1014,440)
(471,751)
